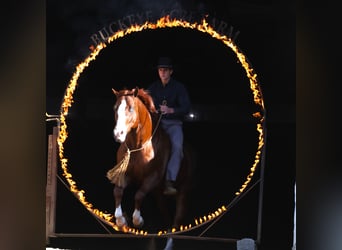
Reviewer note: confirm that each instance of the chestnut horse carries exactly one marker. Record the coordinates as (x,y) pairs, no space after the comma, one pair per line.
(142,157)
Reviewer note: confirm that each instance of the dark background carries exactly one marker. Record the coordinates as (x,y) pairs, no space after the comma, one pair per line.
(223,133)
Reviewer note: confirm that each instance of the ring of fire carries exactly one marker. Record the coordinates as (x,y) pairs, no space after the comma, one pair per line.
(164,22)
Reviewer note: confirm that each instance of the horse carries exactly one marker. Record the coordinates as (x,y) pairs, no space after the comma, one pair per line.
(142,157)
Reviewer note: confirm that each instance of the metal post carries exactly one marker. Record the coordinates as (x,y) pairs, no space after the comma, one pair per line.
(51,184)
(261,189)
(245,244)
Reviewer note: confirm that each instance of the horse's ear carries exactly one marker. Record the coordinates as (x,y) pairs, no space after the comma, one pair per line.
(115,92)
(136,91)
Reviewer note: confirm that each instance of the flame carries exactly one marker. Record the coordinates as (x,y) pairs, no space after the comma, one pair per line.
(164,22)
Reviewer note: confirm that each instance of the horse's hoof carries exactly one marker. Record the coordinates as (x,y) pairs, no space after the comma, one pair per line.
(138,222)
(121,221)
(170,188)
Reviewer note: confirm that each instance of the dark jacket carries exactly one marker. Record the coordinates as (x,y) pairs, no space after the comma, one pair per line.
(176,96)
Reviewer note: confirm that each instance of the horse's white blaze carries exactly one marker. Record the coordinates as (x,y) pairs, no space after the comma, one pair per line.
(120,131)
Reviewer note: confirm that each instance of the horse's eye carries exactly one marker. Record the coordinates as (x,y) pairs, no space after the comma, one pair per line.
(131,109)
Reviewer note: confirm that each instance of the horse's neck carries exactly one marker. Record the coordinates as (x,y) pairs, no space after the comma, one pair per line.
(142,133)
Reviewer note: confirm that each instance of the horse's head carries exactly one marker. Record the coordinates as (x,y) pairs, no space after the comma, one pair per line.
(126,110)
(125,113)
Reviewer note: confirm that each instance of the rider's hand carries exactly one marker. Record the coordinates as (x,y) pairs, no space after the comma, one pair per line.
(165,109)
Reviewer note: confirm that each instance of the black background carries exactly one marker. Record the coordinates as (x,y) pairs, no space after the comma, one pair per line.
(223,134)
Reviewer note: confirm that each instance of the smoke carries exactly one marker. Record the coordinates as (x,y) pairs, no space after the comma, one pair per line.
(80,19)
(71,26)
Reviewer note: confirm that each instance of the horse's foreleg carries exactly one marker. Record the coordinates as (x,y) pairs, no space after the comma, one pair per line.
(138,220)
(120,220)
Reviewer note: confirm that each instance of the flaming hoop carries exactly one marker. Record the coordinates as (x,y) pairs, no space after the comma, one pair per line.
(164,22)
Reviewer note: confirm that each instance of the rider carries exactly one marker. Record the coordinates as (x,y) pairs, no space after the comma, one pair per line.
(172,99)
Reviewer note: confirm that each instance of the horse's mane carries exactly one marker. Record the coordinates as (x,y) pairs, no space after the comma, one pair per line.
(146,98)
(143,95)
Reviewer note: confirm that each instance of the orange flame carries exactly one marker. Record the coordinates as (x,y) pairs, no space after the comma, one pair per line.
(164,22)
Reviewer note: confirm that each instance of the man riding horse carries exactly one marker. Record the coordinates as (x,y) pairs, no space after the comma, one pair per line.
(173,101)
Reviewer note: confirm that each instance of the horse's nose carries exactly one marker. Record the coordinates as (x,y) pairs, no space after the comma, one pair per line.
(118,134)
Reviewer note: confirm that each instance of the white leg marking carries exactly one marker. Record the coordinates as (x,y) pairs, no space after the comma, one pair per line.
(137,218)
(120,219)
